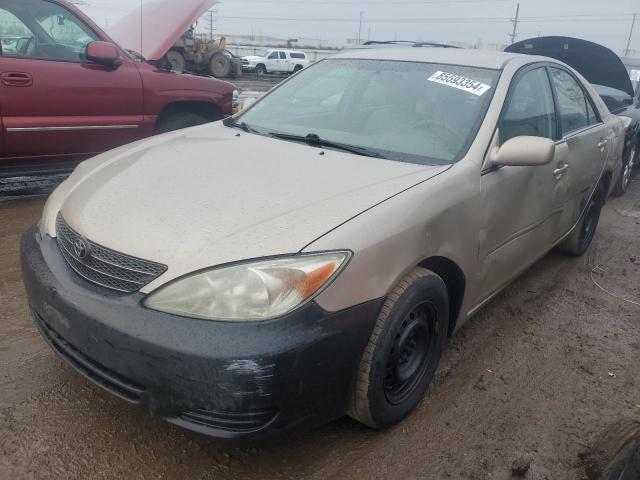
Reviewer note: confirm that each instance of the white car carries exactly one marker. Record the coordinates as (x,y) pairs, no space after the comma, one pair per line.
(276,61)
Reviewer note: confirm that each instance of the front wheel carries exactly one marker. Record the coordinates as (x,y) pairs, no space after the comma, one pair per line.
(176,61)
(625,177)
(403,352)
(179,121)
(220,65)
(261,70)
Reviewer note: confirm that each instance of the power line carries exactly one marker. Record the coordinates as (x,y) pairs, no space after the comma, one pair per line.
(386,3)
(551,19)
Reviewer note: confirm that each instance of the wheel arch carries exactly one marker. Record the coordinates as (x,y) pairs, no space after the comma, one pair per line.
(209,110)
(455,281)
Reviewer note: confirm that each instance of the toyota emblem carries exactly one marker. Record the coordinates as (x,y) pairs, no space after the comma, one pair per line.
(81,249)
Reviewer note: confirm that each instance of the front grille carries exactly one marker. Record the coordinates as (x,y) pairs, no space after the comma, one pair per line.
(103,377)
(241,422)
(103,266)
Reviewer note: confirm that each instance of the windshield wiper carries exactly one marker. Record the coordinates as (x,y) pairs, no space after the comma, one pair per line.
(315,141)
(230,122)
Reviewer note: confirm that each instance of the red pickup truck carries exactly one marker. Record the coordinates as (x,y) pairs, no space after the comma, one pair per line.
(68,91)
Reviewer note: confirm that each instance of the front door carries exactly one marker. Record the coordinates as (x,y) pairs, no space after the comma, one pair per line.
(520,205)
(53,101)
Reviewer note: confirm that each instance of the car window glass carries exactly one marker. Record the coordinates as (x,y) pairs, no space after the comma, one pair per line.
(273,56)
(571,102)
(15,35)
(531,110)
(593,118)
(55,32)
(407,111)
(283,56)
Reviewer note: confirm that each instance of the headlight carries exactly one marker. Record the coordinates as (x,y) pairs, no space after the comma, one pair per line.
(259,290)
(235,101)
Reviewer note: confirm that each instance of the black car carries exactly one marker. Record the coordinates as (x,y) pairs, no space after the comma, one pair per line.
(609,77)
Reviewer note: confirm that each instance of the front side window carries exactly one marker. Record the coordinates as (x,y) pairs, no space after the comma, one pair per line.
(407,111)
(46,31)
(273,56)
(530,111)
(572,101)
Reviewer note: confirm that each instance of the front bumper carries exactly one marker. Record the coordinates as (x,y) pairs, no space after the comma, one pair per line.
(228,380)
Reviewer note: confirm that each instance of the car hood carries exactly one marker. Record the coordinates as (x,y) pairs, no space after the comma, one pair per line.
(213,195)
(253,57)
(596,63)
(163,23)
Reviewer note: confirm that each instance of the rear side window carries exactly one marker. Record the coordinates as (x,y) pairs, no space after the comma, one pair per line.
(283,56)
(593,118)
(531,110)
(572,102)
(298,55)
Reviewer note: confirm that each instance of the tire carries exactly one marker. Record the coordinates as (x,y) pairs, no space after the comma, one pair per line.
(297,68)
(627,170)
(261,70)
(220,66)
(580,239)
(179,121)
(403,352)
(176,60)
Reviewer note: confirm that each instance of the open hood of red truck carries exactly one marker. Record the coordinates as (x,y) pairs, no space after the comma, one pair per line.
(598,64)
(154,27)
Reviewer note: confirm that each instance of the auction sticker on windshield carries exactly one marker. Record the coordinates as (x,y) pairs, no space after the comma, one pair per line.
(460,82)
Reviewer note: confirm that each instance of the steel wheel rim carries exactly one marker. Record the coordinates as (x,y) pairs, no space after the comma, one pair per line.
(628,169)
(590,225)
(411,354)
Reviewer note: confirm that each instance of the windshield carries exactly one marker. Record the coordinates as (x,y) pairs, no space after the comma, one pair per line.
(407,111)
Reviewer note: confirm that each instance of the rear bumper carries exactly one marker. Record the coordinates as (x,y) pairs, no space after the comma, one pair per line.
(222,379)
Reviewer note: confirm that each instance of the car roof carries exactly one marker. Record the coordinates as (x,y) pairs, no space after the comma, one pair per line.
(451,56)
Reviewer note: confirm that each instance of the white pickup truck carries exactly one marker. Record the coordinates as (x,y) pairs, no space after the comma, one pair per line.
(275,61)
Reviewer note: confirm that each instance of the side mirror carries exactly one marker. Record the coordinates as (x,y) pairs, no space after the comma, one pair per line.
(524,152)
(104,53)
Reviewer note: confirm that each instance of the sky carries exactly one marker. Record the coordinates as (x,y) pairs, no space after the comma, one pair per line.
(466,21)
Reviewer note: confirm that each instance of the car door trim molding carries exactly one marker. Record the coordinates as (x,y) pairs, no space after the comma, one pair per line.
(68,129)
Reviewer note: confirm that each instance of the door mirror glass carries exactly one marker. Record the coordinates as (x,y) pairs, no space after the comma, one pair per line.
(525,152)
(104,53)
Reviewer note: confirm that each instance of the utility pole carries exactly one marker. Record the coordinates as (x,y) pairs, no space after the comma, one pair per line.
(633,24)
(360,29)
(211,23)
(515,21)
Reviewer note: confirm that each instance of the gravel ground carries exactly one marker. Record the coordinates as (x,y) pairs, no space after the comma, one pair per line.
(524,388)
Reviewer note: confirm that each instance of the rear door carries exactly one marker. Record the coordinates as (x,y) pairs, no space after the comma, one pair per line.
(53,101)
(586,140)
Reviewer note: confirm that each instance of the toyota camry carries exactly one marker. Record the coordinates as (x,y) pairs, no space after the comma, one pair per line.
(308,258)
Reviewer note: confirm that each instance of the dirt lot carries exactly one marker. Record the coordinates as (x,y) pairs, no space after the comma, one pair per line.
(537,374)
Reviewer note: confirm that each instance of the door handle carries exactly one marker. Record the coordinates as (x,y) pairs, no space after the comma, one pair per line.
(17,79)
(560,171)
(602,144)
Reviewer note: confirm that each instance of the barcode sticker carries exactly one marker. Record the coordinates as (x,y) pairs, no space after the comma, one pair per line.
(460,82)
